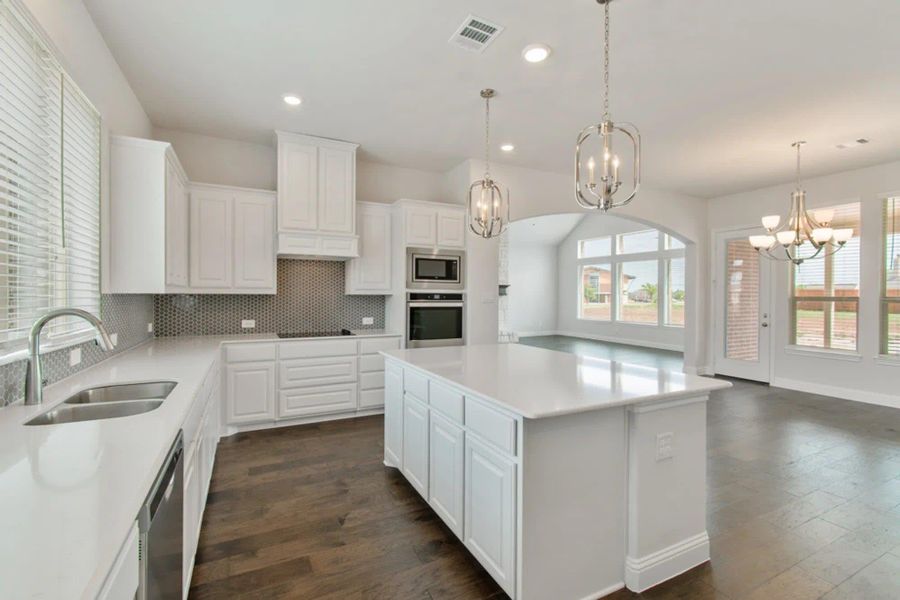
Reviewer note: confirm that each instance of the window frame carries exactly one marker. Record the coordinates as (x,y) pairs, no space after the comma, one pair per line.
(884,300)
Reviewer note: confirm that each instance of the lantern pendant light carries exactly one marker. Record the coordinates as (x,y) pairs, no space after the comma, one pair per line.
(598,190)
(488,206)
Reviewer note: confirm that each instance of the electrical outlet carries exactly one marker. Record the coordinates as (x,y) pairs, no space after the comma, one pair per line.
(149,327)
(665,445)
(74,356)
(368,320)
(114,338)
(248,323)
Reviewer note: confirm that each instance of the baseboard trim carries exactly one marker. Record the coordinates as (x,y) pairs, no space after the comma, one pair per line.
(643,573)
(605,591)
(233,429)
(892,401)
(522,334)
(619,340)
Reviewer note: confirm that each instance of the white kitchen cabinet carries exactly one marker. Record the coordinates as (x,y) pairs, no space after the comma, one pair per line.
(432,224)
(310,401)
(446,460)
(147,229)
(393,415)
(212,233)
(316,196)
(124,577)
(415,444)
(250,392)
(490,511)
(370,274)
(254,241)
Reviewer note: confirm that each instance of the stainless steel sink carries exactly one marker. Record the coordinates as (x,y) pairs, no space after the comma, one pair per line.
(94,412)
(152,390)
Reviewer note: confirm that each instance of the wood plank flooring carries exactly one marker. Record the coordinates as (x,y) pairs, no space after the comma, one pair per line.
(803,500)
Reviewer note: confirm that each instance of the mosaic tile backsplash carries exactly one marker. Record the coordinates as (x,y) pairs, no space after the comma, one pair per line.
(310,298)
(125,315)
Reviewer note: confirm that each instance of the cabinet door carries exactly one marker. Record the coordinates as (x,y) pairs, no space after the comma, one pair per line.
(250,391)
(211,239)
(490,511)
(446,459)
(371,272)
(421,224)
(393,415)
(451,228)
(193,508)
(254,242)
(415,444)
(298,183)
(321,400)
(337,194)
(177,219)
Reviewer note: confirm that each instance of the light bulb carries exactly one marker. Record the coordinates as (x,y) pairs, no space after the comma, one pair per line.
(786,238)
(292,100)
(770,222)
(535,53)
(842,235)
(824,216)
(820,235)
(761,241)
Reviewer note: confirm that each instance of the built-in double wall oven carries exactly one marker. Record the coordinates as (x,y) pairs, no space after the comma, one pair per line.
(435,269)
(435,319)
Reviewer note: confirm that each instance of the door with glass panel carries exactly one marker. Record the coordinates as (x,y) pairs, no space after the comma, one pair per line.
(742,329)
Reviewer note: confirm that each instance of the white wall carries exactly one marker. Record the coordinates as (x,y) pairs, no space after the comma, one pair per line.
(863,379)
(531,300)
(568,323)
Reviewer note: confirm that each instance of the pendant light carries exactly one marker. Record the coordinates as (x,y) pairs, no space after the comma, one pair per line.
(788,242)
(488,206)
(599,189)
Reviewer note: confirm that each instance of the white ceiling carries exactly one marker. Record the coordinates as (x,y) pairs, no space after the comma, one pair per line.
(547,230)
(719,88)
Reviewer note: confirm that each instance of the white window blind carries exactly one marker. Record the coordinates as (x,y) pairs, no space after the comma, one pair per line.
(890,298)
(49,187)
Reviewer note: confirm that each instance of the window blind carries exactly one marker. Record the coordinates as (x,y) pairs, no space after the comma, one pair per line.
(49,186)
(890,298)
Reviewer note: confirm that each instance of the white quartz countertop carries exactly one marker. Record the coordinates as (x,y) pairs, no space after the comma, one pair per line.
(69,493)
(535,383)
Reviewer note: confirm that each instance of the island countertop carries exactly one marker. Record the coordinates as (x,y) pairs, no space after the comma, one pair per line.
(537,383)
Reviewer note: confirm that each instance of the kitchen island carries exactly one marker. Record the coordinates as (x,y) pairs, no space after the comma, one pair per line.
(566,476)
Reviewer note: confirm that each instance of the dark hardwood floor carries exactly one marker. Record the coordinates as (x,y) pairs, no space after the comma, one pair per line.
(803,497)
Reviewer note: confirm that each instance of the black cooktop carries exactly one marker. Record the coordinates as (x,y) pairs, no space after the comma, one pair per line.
(309,334)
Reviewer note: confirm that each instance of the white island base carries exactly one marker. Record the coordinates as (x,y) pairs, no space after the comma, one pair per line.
(566,477)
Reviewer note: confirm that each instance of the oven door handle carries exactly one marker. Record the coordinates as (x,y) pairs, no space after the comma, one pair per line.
(434,304)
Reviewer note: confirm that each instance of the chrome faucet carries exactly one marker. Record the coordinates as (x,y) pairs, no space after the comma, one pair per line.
(34,384)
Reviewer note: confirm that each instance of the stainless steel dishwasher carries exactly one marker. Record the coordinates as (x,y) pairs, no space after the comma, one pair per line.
(161,531)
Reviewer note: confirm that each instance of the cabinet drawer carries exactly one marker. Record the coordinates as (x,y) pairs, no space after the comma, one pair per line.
(316,371)
(375,345)
(447,400)
(316,400)
(493,426)
(415,384)
(371,381)
(318,348)
(371,362)
(249,352)
(371,398)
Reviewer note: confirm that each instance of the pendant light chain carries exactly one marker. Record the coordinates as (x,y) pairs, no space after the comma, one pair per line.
(487,136)
(606,61)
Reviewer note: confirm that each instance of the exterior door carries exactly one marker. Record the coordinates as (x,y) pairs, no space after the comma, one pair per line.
(742,287)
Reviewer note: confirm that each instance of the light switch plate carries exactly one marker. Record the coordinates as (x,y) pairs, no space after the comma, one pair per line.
(149,327)
(665,445)
(368,320)
(114,338)
(248,323)
(74,356)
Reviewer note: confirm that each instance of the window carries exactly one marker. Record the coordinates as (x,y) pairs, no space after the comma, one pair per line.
(49,188)
(595,247)
(825,299)
(639,279)
(890,297)
(596,292)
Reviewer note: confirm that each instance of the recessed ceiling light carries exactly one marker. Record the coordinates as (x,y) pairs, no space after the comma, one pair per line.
(292,100)
(507,147)
(535,53)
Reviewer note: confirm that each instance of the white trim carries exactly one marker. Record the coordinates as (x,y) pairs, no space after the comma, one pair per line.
(233,429)
(290,136)
(620,340)
(605,591)
(654,406)
(828,353)
(522,334)
(645,572)
(888,360)
(702,370)
(891,400)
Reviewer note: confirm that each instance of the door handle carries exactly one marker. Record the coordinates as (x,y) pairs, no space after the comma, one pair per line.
(765,325)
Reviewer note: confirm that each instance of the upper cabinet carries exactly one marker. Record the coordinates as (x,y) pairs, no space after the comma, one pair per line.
(147,245)
(431,224)
(316,197)
(371,272)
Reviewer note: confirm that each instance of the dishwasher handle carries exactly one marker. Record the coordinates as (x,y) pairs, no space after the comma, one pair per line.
(165,481)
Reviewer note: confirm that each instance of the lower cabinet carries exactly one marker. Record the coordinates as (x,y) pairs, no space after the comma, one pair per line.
(415,444)
(490,520)
(393,415)
(250,389)
(305,401)
(124,577)
(446,458)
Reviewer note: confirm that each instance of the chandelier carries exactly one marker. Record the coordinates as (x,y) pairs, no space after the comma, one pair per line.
(599,189)
(488,206)
(788,242)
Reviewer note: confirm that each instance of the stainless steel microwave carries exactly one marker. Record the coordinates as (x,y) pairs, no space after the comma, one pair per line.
(435,269)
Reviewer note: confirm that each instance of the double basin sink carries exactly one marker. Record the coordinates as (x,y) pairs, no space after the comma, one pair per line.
(107,402)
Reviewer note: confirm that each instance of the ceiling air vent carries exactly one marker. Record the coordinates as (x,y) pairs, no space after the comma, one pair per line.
(475,34)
